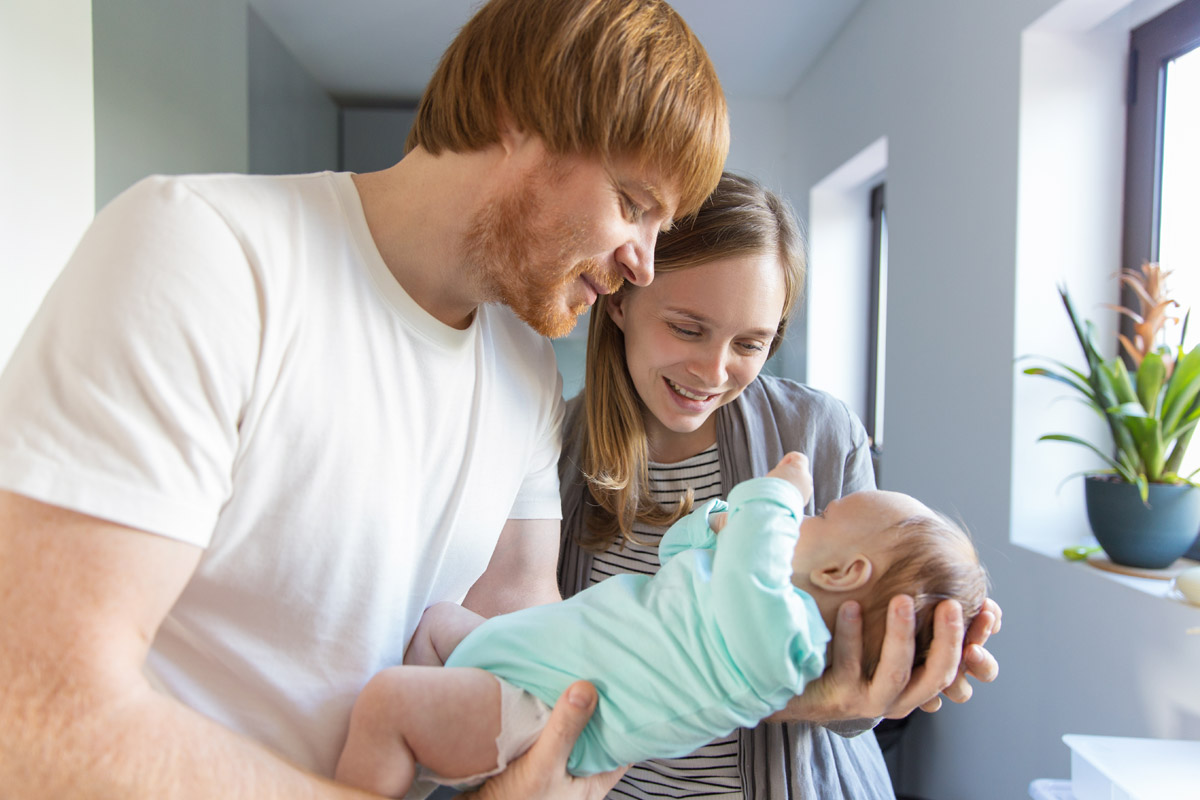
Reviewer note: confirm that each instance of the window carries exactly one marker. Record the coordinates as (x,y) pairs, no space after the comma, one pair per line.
(1162,179)
(1162,168)
(876,322)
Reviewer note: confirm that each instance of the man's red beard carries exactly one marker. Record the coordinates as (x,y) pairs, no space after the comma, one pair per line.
(521,257)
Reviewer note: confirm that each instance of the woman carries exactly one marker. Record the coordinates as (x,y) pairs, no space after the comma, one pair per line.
(674,411)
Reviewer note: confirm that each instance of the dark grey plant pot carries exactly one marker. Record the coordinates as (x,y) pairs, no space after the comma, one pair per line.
(1135,535)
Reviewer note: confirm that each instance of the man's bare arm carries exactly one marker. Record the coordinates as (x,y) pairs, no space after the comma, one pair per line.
(81,600)
(522,571)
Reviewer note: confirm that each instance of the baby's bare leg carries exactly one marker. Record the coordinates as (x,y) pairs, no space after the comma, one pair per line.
(446,719)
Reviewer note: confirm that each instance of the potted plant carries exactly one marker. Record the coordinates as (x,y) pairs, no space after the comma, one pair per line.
(1141,510)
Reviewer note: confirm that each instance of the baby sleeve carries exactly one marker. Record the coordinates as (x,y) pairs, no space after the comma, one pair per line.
(691,532)
(773,631)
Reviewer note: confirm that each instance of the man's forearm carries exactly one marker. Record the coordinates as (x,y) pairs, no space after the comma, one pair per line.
(64,741)
(798,711)
(521,572)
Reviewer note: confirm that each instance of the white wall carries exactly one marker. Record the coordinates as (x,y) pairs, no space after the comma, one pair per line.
(47,183)
(941,79)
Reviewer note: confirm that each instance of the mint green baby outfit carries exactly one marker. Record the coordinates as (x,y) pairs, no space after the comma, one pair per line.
(718,639)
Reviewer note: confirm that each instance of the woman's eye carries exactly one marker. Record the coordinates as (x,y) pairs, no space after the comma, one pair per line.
(678,331)
(752,347)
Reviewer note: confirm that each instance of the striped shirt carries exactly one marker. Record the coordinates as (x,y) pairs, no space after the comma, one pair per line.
(712,771)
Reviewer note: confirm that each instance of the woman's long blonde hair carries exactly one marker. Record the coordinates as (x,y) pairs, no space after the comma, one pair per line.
(739,218)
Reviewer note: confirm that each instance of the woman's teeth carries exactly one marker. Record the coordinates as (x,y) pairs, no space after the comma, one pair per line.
(685,392)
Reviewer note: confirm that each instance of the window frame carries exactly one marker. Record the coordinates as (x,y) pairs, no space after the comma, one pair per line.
(1152,46)
(874,422)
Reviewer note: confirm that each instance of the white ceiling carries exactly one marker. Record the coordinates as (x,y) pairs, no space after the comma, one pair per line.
(386,49)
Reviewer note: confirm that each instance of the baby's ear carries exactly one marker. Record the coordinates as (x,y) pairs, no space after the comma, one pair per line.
(843,576)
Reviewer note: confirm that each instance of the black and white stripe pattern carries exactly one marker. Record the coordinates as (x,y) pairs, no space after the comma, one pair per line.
(712,771)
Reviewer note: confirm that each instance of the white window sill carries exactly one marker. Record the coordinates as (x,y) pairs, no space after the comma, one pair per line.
(1156,587)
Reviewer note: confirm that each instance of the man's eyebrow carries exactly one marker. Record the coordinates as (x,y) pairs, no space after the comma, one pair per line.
(652,191)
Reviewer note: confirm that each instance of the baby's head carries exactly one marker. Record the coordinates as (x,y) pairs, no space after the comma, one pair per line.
(873,545)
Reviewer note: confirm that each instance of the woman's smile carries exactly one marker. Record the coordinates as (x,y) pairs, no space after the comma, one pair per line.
(689,394)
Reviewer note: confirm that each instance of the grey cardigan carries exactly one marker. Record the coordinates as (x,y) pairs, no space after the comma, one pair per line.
(792,761)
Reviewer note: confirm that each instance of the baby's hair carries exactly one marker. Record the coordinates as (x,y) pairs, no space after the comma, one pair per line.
(935,561)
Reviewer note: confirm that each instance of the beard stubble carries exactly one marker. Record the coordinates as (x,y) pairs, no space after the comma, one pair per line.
(521,255)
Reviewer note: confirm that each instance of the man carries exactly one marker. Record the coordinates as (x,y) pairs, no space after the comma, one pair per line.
(261,424)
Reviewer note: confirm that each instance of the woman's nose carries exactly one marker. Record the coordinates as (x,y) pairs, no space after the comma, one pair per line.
(710,366)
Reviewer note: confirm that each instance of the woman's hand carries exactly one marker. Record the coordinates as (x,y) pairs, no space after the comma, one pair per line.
(896,688)
(541,774)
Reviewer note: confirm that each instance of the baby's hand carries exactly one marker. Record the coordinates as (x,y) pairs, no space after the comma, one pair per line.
(717,521)
(793,468)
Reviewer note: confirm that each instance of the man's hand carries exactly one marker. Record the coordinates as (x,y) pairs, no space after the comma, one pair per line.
(896,688)
(976,661)
(541,774)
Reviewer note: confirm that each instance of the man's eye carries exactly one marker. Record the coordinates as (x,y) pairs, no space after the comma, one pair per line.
(633,211)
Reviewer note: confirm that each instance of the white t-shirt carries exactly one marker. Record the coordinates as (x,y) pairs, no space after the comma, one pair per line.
(227,361)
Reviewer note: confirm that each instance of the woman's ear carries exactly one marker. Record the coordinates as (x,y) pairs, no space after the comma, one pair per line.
(614,304)
(844,576)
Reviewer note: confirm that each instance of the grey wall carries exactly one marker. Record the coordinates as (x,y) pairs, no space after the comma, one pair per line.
(373,138)
(293,122)
(170,89)
(185,87)
(1080,653)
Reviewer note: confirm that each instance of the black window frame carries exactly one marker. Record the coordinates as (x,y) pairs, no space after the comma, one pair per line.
(1152,46)
(878,211)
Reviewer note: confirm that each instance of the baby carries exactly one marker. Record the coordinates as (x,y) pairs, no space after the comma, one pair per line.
(726,633)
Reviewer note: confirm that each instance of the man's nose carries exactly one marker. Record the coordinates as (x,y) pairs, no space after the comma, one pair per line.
(636,258)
